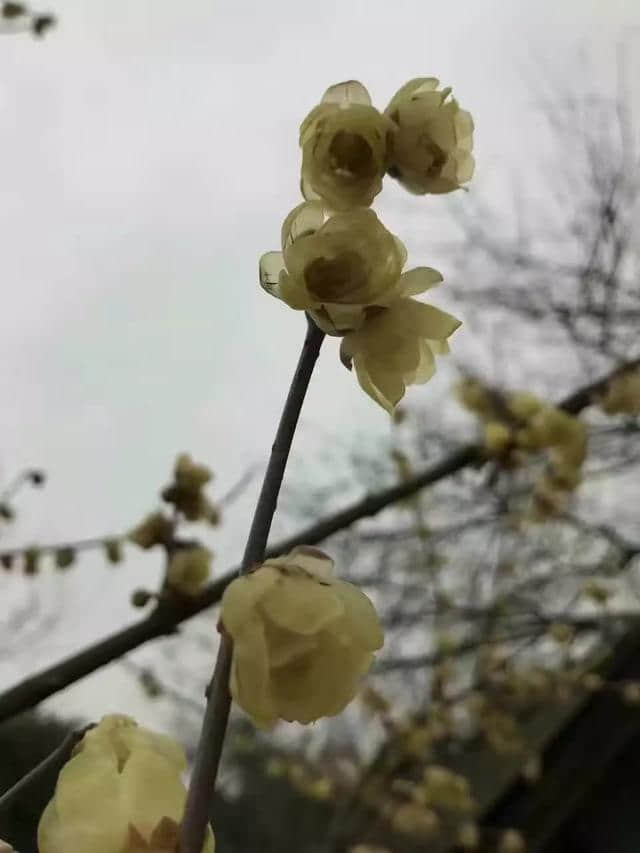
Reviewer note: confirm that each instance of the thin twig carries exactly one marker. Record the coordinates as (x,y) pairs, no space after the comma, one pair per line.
(53,762)
(214,725)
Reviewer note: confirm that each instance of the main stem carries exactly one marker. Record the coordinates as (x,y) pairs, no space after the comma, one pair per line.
(216,716)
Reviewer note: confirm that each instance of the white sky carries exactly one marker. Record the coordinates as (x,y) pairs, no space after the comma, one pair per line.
(149,154)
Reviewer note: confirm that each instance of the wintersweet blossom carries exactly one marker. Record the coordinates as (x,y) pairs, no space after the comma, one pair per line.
(431,147)
(396,346)
(189,569)
(185,492)
(121,792)
(335,265)
(345,146)
(301,638)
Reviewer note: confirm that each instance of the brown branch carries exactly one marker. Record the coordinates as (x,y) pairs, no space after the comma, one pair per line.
(165,619)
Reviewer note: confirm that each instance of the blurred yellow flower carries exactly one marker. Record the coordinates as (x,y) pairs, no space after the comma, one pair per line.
(497,437)
(120,792)
(189,569)
(431,148)
(155,529)
(301,639)
(622,394)
(344,143)
(396,346)
(185,492)
(334,266)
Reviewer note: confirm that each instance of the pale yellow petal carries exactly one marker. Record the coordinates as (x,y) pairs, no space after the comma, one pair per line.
(418,280)
(151,789)
(271,265)
(301,604)
(349,92)
(322,684)
(360,617)
(243,594)
(249,684)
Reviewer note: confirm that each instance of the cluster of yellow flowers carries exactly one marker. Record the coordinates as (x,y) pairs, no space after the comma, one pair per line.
(622,394)
(441,802)
(302,639)
(519,424)
(190,564)
(338,262)
(121,792)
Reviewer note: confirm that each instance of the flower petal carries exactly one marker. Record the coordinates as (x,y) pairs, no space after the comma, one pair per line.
(418,280)
(270,267)
(349,92)
(301,605)
(360,617)
(243,594)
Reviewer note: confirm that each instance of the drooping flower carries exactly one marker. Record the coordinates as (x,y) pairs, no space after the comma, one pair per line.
(431,148)
(301,638)
(396,346)
(345,142)
(336,265)
(189,569)
(120,792)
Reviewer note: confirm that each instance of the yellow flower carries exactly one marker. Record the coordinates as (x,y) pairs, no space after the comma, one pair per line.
(5,848)
(185,492)
(301,639)
(344,143)
(121,790)
(334,266)
(523,405)
(497,437)
(396,346)
(155,529)
(565,434)
(622,395)
(431,149)
(189,569)
(475,397)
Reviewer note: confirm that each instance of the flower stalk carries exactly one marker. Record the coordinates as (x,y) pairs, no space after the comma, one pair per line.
(216,716)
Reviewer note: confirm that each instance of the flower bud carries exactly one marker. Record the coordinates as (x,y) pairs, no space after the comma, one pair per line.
(189,569)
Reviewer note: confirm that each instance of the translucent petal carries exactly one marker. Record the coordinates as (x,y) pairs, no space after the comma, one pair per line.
(426,366)
(360,617)
(418,280)
(387,389)
(439,347)
(301,605)
(349,92)
(243,594)
(271,265)
(303,220)
(322,684)
(151,790)
(140,738)
(250,673)
(312,560)
(416,86)
(286,646)
(431,322)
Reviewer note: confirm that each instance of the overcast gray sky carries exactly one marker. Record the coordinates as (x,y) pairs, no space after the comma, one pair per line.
(149,154)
